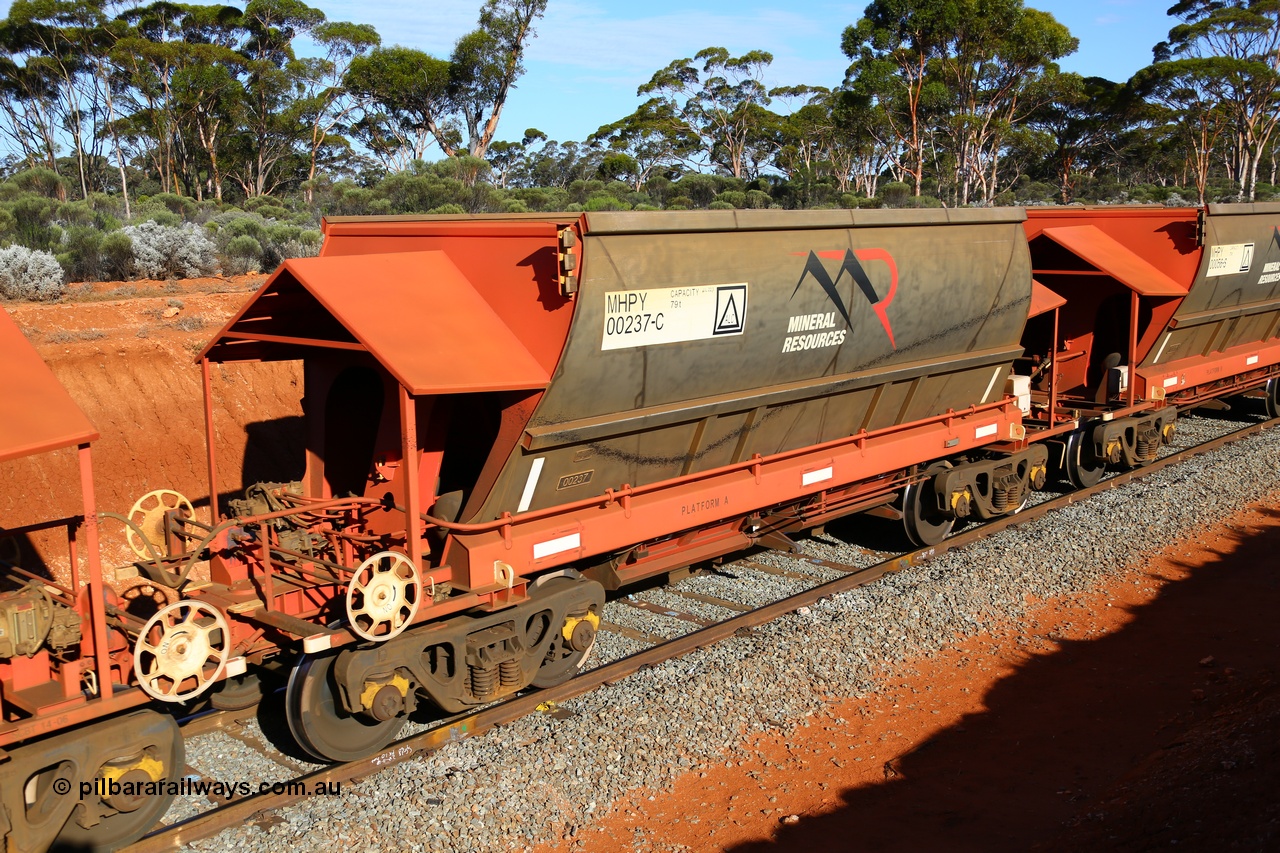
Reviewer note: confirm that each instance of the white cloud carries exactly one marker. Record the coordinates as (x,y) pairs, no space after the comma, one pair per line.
(433,27)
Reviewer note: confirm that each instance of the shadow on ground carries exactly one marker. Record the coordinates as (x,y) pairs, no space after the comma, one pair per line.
(1164,734)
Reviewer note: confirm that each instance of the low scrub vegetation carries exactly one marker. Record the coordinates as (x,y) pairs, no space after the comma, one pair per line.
(48,243)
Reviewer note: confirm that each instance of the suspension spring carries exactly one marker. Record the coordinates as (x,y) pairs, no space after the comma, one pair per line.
(510,671)
(1000,500)
(484,681)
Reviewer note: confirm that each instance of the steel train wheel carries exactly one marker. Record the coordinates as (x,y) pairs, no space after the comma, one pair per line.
(135,816)
(1083,470)
(320,724)
(924,525)
(563,660)
(236,694)
(1272,397)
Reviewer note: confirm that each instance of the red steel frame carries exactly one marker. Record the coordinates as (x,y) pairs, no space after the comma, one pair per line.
(51,713)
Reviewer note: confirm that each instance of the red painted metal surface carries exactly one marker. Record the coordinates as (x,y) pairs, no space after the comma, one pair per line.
(512,262)
(541,540)
(415,312)
(39,414)
(1164,237)
(1252,363)
(1122,264)
(1043,300)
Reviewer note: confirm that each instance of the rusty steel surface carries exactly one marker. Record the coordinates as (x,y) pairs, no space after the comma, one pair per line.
(511,261)
(414,312)
(1165,237)
(36,412)
(470,725)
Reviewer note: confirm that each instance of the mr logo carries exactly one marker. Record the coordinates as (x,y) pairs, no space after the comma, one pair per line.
(850,263)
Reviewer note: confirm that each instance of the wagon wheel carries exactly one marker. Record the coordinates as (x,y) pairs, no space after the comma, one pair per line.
(925,526)
(383,596)
(572,642)
(181,651)
(1083,468)
(1272,398)
(148,514)
(127,818)
(319,722)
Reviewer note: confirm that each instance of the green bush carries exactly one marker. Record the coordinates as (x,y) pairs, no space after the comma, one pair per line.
(243,254)
(605,202)
(181,206)
(41,181)
(81,255)
(894,194)
(116,254)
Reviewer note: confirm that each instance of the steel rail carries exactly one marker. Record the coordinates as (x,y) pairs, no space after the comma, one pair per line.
(507,711)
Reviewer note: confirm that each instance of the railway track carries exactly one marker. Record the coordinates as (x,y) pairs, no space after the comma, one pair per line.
(692,629)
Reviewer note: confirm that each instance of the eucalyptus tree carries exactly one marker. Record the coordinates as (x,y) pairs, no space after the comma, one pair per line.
(655,139)
(29,100)
(180,89)
(1229,50)
(60,37)
(553,164)
(271,78)
(326,103)
(1185,97)
(723,104)
(1085,117)
(827,137)
(485,65)
(963,72)
(998,66)
(404,97)
(894,48)
(410,98)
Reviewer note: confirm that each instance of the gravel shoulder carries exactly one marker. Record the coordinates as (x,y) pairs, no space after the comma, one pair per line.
(1142,715)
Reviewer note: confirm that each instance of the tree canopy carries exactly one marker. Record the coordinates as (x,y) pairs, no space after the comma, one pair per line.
(943,102)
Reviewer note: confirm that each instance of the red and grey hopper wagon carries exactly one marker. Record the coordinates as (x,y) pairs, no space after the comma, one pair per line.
(507,414)
(1147,310)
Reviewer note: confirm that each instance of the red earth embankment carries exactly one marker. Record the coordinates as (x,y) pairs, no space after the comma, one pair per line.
(130,365)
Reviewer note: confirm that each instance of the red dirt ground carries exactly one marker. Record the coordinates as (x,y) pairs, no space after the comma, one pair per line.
(129,363)
(1144,716)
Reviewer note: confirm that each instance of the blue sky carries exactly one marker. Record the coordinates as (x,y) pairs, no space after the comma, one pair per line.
(590,55)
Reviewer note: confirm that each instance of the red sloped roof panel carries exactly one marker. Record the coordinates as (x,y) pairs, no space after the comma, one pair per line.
(1043,300)
(36,412)
(1107,254)
(415,312)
